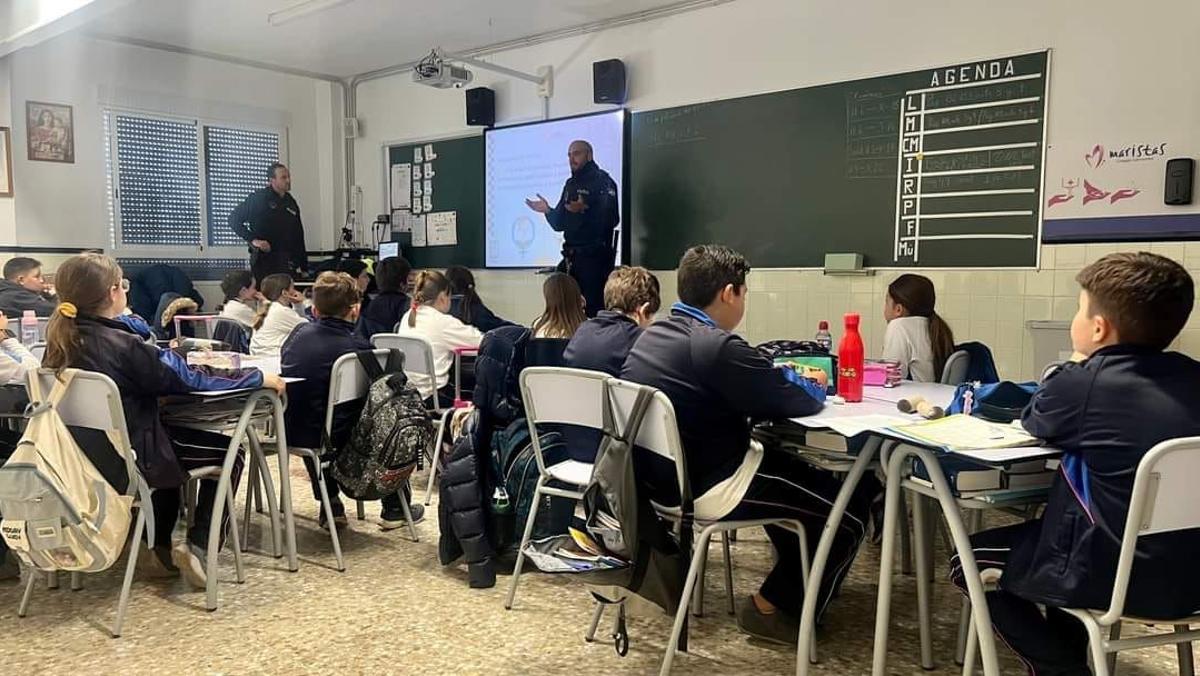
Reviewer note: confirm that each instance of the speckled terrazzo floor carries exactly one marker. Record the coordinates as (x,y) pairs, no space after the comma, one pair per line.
(395,610)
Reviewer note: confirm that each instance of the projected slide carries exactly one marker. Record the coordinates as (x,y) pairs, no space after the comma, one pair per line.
(528,160)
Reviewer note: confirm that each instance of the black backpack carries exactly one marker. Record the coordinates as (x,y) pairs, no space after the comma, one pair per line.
(391,435)
(518,472)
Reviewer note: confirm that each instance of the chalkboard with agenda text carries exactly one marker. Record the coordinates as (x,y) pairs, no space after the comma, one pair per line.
(457,184)
(932,168)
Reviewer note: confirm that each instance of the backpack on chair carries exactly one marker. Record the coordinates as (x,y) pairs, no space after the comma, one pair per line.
(391,435)
(60,513)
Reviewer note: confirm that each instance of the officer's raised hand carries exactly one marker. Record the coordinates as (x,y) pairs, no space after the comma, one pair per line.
(577,206)
(262,245)
(539,205)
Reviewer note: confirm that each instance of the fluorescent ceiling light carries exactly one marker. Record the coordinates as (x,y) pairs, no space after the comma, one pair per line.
(301,9)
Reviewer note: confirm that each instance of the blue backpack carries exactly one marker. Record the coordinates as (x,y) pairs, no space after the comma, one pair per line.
(998,402)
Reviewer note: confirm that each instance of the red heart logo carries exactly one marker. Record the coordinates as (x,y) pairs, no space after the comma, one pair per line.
(1096,157)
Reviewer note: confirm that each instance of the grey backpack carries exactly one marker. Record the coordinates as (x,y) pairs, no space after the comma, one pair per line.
(391,435)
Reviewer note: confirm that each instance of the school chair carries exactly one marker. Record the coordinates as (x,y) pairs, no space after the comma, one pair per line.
(348,382)
(92,400)
(38,350)
(958,364)
(1164,500)
(563,396)
(659,434)
(418,358)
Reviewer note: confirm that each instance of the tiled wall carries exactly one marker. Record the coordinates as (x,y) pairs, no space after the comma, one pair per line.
(991,306)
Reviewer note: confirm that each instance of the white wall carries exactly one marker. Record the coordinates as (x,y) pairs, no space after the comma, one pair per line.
(1120,74)
(65,204)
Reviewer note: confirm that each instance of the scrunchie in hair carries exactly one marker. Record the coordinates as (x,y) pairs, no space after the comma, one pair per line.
(68,310)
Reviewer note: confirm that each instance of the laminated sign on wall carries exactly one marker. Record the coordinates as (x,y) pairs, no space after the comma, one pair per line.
(442,228)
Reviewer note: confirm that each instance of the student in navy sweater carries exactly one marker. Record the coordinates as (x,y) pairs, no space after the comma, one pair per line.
(309,353)
(386,309)
(1122,394)
(601,343)
(718,383)
(465,303)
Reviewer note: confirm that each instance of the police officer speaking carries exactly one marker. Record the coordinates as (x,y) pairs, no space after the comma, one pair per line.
(269,220)
(587,213)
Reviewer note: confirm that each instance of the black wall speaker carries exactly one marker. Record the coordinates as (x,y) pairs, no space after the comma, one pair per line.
(481,107)
(1179,180)
(608,81)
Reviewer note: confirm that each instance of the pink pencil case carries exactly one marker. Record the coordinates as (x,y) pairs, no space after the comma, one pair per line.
(881,373)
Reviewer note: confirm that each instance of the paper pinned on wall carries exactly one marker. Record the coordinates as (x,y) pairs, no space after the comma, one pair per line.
(419,237)
(417,158)
(427,186)
(442,228)
(429,154)
(427,203)
(416,190)
(400,221)
(401,175)
(428,171)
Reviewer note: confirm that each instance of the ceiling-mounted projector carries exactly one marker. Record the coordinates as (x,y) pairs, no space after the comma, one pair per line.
(434,71)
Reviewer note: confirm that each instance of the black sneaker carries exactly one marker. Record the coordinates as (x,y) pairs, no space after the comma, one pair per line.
(777,627)
(391,519)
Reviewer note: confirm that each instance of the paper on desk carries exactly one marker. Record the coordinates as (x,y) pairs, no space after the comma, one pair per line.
(1001,456)
(964,432)
(853,425)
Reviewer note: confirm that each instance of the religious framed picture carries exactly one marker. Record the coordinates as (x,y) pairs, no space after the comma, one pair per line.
(50,130)
(6,182)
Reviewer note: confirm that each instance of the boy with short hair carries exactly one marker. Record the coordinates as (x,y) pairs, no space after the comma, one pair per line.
(309,353)
(631,297)
(1120,396)
(23,288)
(386,308)
(717,383)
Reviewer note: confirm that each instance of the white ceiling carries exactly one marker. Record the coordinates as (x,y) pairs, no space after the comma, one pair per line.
(354,37)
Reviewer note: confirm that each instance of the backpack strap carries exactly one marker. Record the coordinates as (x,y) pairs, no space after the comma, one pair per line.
(395,361)
(640,405)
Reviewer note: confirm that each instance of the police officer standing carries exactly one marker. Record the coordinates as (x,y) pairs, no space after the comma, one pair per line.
(587,213)
(269,220)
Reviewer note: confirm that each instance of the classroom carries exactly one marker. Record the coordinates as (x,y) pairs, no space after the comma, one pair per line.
(659,293)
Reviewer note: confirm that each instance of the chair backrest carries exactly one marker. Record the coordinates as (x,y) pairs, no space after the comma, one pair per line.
(93,401)
(348,381)
(418,352)
(956,368)
(1164,500)
(232,332)
(205,320)
(562,396)
(659,432)
(38,350)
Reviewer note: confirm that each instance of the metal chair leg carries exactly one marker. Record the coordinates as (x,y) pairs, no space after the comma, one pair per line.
(24,607)
(437,449)
(235,543)
(1114,633)
(699,553)
(906,539)
(134,547)
(728,570)
(1183,652)
(920,525)
(590,636)
(362,511)
(516,575)
(251,490)
(698,595)
(327,507)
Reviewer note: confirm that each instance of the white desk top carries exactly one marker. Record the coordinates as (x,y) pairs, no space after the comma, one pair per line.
(936,393)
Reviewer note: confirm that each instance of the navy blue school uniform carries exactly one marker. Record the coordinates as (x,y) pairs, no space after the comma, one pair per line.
(602,343)
(480,317)
(382,314)
(1105,413)
(309,353)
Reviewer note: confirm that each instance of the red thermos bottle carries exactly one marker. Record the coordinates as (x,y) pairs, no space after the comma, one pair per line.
(850,361)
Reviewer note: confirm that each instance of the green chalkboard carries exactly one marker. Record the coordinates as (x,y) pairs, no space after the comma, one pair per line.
(457,186)
(932,168)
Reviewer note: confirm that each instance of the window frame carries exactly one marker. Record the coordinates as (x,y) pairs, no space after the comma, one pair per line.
(111,169)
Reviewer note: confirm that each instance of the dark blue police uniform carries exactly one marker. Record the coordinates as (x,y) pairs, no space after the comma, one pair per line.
(267,216)
(588,247)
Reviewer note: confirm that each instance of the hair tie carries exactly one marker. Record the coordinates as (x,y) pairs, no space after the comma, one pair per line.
(416,304)
(68,310)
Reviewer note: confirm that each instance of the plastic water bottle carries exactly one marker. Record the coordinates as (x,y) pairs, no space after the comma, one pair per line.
(850,361)
(29,328)
(824,339)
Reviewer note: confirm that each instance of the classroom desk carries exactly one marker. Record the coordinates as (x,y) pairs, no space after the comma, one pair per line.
(894,453)
(240,419)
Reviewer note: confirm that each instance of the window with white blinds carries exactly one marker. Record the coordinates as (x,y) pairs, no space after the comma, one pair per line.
(235,164)
(158,197)
(158,181)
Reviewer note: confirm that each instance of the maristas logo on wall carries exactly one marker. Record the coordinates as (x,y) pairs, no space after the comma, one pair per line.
(1137,152)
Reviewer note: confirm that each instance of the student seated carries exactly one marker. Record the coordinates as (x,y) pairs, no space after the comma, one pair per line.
(241,297)
(429,318)
(85,333)
(276,320)
(717,383)
(1122,395)
(15,359)
(916,336)
(602,342)
(309,353)
(23,288)
(466,304)
(564,311)
(360,272)
(385,311)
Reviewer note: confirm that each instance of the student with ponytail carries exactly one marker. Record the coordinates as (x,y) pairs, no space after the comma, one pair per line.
(429,318)
(85,333)
(916,336)
(276,320)
(466,304)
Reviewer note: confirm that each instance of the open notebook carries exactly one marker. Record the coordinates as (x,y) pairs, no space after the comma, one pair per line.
(963,432)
